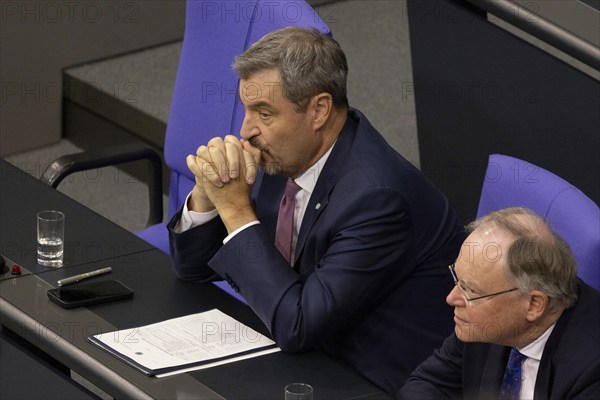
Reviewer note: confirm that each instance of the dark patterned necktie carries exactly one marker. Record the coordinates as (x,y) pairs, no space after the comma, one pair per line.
(285,220)
(511,383)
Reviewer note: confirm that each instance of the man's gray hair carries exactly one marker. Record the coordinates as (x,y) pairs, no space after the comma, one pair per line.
(538,259)
(308,61)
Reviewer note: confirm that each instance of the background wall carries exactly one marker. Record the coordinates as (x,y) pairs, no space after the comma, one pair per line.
(481,90)
(39,38)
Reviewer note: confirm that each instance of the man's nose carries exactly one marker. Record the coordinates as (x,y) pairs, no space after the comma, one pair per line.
(455,298)
(249,129)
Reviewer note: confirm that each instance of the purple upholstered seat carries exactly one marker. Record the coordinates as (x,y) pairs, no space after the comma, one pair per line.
(510,182)
(205,100)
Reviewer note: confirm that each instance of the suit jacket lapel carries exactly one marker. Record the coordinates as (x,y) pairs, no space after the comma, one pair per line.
(493,371)
(326,182)
(317,203)
(270,190)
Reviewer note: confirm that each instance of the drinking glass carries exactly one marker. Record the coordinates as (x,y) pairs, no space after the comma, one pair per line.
(50,238)
(298,391)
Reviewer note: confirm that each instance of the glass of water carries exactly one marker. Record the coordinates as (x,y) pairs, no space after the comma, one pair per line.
(298,391)
(50,238)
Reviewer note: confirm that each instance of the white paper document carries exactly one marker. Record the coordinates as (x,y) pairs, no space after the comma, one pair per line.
(186,343)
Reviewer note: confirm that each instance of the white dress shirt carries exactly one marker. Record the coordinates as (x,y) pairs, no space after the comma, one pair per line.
(307,182)
(531,365)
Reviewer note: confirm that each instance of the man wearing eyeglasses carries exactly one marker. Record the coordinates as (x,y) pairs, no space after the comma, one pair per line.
(525,326)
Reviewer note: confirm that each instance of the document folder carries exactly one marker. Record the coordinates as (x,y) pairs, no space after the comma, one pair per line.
(184,344)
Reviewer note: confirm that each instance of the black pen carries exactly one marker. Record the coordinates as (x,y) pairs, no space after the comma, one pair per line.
(74,279)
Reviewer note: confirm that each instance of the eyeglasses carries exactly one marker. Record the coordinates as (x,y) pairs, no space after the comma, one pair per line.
(464,289)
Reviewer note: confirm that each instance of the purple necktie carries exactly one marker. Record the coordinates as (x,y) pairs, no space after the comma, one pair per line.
(511,383)
(285,220)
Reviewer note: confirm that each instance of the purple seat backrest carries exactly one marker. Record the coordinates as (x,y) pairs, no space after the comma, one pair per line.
(510,182)
(205,101)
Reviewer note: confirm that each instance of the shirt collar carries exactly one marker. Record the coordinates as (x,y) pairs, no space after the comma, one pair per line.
(536,348)
(308,180)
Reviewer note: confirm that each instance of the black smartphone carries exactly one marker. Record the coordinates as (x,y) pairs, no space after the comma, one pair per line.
(86,294)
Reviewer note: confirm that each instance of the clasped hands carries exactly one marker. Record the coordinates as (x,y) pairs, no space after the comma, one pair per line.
(224,169)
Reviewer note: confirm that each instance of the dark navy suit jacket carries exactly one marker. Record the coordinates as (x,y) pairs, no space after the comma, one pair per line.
(370,276)
(569,368)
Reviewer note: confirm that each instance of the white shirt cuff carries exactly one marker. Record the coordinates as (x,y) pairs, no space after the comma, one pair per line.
(190,219)
(238,230)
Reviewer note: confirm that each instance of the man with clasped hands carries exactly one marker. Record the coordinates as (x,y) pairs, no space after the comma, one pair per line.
(362,275)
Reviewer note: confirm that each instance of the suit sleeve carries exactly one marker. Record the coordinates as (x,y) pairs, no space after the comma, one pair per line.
(438,377)
(192,249)
(365,249)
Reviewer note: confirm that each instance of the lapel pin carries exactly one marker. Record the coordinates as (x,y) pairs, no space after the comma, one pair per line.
(318,206)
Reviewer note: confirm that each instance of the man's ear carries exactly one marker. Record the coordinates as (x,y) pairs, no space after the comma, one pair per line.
(322,105)
(538,304)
